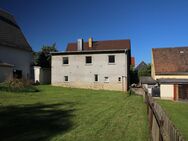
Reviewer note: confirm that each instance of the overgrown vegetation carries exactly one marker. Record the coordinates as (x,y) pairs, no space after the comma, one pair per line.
(18,85)
(57,114)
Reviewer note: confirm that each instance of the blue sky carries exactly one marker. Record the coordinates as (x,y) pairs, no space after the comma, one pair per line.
(147,23)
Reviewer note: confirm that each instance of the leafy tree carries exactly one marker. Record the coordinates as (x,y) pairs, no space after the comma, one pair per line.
(43,57)
(145,71)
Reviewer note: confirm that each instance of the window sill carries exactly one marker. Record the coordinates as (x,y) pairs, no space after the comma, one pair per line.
(111,63)
(88,64)
(65,65)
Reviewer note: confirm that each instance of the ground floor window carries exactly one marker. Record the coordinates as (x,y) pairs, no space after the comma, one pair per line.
(96,78)
(66,78)
(119,79)
(17,74)
(106,79)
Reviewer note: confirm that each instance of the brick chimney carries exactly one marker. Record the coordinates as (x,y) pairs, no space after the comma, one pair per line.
(90,41)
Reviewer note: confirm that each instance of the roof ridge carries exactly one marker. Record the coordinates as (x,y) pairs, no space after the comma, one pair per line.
(174,47)
(102,41)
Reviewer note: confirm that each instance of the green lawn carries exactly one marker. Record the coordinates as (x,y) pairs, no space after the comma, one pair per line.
(178,113)
(65,114)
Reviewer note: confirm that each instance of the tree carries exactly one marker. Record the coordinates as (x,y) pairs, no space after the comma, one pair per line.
(43,57)
(145,71)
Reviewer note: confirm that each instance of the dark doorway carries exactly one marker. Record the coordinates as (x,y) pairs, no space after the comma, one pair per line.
(183,91)
(17,74)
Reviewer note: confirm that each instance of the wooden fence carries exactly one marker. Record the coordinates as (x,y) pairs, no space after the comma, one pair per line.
(162,129)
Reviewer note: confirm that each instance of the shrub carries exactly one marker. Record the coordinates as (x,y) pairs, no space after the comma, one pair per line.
(18,85)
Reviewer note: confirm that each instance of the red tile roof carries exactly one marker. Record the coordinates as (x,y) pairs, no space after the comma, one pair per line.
(133,61)
(170,60)
(102,45)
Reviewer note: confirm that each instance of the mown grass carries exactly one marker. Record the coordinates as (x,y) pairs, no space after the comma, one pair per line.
(178,113)
(58,114)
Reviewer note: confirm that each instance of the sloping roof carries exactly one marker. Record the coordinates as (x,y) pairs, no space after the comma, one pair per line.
(141,65)
(3,64)
(102,45)
(10,33)
(170,60)
(172,81)
(147,80)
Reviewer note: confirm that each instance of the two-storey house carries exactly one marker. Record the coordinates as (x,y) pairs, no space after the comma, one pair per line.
(93,65)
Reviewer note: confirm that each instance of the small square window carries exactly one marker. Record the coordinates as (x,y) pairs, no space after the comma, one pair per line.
(65,60)
(66,78)
(111,59)
(88,59)
(96,78)
(106,79)
(119,79)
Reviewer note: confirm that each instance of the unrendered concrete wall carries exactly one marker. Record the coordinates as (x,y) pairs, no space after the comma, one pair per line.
(81,75)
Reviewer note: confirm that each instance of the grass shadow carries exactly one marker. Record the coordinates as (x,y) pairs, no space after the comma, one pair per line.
(36,122)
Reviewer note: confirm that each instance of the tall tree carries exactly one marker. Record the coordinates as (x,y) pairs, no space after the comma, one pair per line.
(145,71)
(43,57)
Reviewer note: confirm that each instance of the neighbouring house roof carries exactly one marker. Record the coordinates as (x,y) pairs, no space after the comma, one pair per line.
(172,81)
(10,33)
(102,45)
(141,65)
(170,60)
(147,80)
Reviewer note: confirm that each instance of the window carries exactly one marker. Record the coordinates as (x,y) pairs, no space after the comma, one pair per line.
(106,79)
(65,60)
(96,78)
(111,59)
(88,59)
(66,78)
(119,79)
(17,74)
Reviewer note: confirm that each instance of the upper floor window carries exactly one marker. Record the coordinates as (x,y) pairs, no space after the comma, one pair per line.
(111,59)
(88,59)
(65,60)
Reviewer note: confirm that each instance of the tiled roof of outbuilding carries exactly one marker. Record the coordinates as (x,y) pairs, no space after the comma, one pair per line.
(170,60)
(10,33)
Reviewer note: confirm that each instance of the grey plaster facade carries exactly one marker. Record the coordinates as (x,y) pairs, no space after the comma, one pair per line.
(110,76)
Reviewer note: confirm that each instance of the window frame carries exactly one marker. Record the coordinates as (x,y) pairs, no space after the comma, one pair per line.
(65,60)
(66,78)
(119,79)
(96,77)
(86,57)
(114,59)
(106,79)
